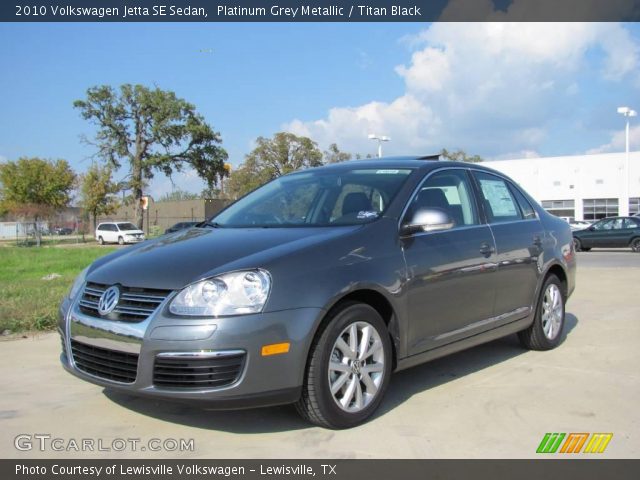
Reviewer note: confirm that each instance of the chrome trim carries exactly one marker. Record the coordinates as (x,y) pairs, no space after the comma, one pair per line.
(514,184)
(520,312)
(417,189)
(153,302)
(475,202)
(202,354)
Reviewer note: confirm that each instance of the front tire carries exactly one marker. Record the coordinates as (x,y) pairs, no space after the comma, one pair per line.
(120,241)
(101,240)
(635,245)
(545,333)
(348,369)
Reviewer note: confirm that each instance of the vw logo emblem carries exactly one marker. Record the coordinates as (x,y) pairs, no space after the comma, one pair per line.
(109,300)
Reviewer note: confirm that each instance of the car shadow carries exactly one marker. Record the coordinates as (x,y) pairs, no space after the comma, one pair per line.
(407,383)
(609,250)
(404,385)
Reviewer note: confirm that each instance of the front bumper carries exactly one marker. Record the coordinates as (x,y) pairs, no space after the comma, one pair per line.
(134,239)
(262,381)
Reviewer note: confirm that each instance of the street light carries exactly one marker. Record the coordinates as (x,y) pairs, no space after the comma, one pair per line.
(627,113)
(380,139)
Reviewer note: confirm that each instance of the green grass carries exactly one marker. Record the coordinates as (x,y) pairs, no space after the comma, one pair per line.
(27,302)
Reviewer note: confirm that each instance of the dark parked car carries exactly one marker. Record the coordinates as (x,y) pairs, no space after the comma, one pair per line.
(62,231)
(180,226)
(314,288)
(614,232)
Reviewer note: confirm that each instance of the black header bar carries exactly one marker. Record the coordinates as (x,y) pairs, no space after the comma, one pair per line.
(318,10)
(186,469)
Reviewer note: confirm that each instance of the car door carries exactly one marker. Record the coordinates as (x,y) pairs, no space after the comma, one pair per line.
(519,237)
(598,234)
(450,290)
(113,232)
(619,235)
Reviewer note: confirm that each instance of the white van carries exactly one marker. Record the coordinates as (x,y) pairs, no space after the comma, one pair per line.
(120,232)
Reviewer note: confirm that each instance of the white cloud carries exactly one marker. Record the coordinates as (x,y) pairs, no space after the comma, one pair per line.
(617,142)
(485,87)
(187,180)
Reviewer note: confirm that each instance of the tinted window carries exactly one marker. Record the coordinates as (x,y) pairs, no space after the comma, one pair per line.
(102,227)
(447,190)
(499,204)
(525,207)
(630,223)
(604,225)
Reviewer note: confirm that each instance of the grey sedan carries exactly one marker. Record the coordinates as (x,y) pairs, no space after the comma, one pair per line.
(314,288)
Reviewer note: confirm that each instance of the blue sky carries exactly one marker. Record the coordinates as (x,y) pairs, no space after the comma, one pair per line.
(499,90)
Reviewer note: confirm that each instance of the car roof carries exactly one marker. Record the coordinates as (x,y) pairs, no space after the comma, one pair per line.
(424,163)
(115,222)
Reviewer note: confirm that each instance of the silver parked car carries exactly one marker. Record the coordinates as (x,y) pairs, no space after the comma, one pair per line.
(314,288)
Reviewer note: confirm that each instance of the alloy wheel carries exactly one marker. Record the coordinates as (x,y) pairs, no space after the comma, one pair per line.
(356,367)
(552,311)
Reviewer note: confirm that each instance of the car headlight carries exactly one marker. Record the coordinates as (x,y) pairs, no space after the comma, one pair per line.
(78,283)
(229,294)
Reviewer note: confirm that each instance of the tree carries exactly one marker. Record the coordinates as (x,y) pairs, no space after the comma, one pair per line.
(97,192)
(334,155)
(35,188)
(460,156)
(154,131)
(272,158)
(178,195)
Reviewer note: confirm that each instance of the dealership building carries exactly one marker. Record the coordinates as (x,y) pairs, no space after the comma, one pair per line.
(581,187)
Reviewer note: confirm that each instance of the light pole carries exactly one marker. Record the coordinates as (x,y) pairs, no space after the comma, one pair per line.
(380,139)
(627,113)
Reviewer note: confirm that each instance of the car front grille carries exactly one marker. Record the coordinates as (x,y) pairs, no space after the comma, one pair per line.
(135,304)
(105,363)
(193,372)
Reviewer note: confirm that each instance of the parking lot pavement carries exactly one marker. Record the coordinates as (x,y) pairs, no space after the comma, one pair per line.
(493,401)
(609,258)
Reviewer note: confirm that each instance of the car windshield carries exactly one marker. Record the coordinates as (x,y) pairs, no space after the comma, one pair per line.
(317,198)
(127,226)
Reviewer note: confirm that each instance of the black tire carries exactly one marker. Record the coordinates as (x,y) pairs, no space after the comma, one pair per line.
(120,241)
(577,244)
(101,240)
(534,337)
(635,245)
(317,404)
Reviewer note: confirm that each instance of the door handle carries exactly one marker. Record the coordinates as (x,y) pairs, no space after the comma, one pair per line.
(486,249)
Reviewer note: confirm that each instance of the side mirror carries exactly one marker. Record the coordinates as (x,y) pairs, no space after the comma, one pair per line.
(427,220)
(591,228)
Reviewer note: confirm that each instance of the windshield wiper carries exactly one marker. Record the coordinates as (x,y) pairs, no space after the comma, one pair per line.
(207,223)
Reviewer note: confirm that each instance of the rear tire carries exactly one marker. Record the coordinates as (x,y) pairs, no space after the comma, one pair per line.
(120,241)
(577,245)
(348,368)
(635,245)
(545,333)
(101,240)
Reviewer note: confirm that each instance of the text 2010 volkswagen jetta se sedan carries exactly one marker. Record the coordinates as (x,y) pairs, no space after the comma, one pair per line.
(314,288)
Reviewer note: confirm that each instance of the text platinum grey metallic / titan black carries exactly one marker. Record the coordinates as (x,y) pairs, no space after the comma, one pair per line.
(314,288)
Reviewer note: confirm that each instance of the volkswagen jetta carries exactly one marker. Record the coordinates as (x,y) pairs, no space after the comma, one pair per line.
(317,286)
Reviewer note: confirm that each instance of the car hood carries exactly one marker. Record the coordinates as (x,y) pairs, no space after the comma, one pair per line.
(131,232)
(177,259)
